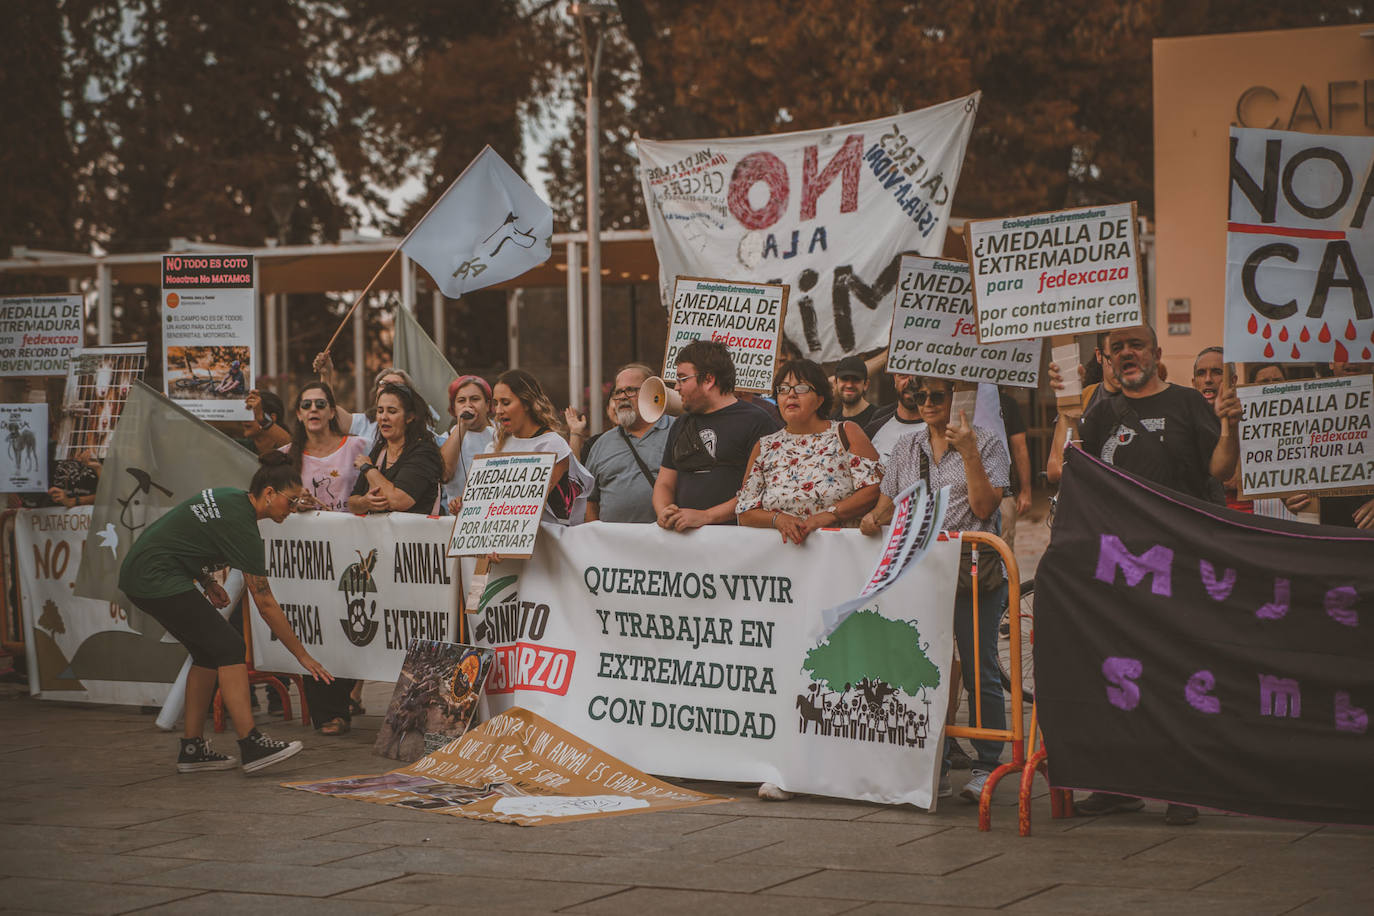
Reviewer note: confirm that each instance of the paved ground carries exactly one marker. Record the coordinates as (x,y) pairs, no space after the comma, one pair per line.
(94,819)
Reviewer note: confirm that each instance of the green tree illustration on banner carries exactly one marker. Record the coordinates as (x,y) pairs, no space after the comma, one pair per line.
(868,645)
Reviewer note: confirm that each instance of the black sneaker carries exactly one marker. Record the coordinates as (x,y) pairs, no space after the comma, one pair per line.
(197,756)
(258,751)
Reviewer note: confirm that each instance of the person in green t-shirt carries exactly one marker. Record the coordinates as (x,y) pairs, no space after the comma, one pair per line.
(214,529)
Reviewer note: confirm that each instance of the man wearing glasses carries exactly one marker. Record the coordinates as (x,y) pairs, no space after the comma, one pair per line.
(707,450)
(626,459)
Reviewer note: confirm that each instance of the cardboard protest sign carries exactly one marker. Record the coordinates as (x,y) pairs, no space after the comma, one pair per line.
(746,317)
(827,212)
(934,333)
(38,334)
(1307,436)
(517,768)
(209,320)
(1066,272)
(1178,624)
(435,698)
(1299,247)
(502,504)
(24,458)
(98,383)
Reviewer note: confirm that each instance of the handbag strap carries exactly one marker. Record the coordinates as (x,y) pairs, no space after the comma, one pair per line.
(643,468)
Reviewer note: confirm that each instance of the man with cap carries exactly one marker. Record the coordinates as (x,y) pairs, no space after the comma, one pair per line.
(851,383)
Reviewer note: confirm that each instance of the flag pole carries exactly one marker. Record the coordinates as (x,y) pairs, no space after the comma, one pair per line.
(453,184)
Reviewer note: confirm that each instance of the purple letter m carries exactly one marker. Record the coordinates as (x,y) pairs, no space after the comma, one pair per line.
(1157,561)
(1280,697)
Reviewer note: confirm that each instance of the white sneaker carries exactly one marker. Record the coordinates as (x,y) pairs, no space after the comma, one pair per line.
(946,790)
(973,789)
(769,792)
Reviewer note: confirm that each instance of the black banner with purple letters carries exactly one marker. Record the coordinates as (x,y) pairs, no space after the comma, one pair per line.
(1199,655)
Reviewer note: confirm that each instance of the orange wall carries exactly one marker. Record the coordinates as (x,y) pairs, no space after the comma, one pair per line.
(1202,86)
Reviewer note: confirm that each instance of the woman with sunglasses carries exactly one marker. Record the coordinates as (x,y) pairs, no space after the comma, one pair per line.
(973,463)
(403,471)
(211,530)
(813,473)
(321,452)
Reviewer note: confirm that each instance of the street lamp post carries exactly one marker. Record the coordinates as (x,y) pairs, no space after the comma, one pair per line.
(591,16)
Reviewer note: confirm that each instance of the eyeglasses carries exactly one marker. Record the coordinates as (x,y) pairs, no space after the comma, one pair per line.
(317,403)
(626,392)
(687,378)
(294,501)
(936,398)
(796,389)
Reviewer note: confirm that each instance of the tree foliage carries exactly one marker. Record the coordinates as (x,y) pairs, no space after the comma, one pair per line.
(867,645)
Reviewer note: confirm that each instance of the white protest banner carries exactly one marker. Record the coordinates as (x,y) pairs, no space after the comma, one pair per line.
(83,649)
(1066,272)
(98,383)
(1299,247)
(209,320)
(24,459)
(357,590)
(710,656)
(746,317)
(934,333)
(1307,436)
(502,504)
(827,212)
(38,334)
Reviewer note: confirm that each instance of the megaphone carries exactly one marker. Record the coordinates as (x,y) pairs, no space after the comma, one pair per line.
(656,399)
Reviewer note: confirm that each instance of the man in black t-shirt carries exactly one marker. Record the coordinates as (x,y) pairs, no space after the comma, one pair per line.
(707,451)
(851,384)
(1167,434)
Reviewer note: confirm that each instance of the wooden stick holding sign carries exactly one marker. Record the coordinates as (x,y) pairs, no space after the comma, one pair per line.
(503,503)
(746,317)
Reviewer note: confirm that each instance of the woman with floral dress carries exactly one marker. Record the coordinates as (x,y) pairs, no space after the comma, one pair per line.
(813,473)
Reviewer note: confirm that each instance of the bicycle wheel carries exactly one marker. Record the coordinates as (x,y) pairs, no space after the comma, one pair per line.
(1027,642)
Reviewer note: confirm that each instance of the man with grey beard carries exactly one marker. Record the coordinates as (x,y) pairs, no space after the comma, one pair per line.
(625,460)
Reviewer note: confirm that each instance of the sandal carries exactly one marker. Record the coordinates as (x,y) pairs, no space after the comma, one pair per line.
(355,708)
(335,727)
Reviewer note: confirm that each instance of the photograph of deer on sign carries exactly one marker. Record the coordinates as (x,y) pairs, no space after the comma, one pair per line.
(201,373)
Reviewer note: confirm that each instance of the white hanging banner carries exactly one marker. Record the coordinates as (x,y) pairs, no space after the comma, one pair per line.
(827,212)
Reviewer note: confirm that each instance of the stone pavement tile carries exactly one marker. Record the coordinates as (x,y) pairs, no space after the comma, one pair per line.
(88,812)
(80,866)
(42,894)
(639,900)
(1335,904)
(251,824)
(82,839)
(232,791)
(220,903)
(1297,877)
(256,877)
(882,886)
(803,806)
(915,909)
(1080,898)
(758,832)
(436,830)
(268,849)
(1235,848)
(490,894)
(1043,865)
(928,857)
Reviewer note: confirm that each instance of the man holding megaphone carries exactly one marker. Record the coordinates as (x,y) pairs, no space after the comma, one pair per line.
(625,459)
(708,449)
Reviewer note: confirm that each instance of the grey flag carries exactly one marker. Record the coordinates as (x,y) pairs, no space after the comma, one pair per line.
(413,351)
(159,456)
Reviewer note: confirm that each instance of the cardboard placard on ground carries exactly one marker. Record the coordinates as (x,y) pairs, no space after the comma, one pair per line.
(746,317)
(934,334)
(209,323)
(38,334)
(502,504)
(1299,248)
(24,458)
(1066,272)
(516,768)
(1307,437)
(435,699)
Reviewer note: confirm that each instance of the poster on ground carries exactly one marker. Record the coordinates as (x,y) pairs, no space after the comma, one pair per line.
(516,768)
(209,315)
(38,334)
(934,332)
(503,501)
(1299,247)
(1066,272)
(827,212)
(746,317)
(717,656)
(1307,437)
(98,383)
(435,698)
(24,458)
